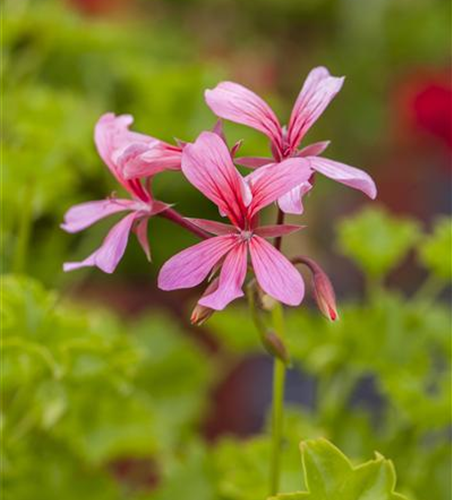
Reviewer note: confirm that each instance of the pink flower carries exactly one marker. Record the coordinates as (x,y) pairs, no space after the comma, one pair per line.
(207,164)
(236,103)
(119,147)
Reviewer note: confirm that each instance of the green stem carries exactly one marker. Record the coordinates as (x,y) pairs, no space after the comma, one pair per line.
(279,377)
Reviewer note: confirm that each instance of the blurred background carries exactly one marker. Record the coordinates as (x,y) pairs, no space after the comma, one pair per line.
(108,391)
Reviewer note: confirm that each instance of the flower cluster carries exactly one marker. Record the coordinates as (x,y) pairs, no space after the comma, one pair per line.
(231,250)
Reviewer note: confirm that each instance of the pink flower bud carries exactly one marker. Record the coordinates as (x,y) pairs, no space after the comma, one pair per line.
(201,313)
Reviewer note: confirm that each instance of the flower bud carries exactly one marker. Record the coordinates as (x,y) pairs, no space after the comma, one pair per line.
(202,313)
(322,288)
(275,346)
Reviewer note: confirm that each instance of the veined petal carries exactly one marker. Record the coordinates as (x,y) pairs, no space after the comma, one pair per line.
(253,161)
(108,255)
(292,202)
(191,266)
(317,92)
(345,174)
(213,227)
(81,216)
(277,230)
(232,276)
(275,274)
(141,160)
(314,149)
(273,181)
(237,103)
(141,231)
(207,164)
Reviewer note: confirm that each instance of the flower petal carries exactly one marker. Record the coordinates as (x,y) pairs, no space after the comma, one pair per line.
(314,149)
(141,231)
(81,216)
(237,103)
(273,181)
(191,266)
(275,274)
(317,92)
(253,161)
(108,255)
(142,160)
(232,276)
(207,164)
(277,230)
(291,202)
(345,174)
(213,227)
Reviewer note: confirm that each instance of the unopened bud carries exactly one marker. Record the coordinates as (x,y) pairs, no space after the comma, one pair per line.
(266,302)
(202,313)
(322,288)
(275,346)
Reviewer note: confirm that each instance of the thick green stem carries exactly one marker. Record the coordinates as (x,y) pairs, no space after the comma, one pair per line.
(279,377)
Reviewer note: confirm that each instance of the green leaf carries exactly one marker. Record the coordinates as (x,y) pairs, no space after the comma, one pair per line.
(434,250)
(329,475)
(376,240)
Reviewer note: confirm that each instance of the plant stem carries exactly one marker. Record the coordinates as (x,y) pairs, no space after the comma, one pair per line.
(175,217)
(279,377)
(279,220)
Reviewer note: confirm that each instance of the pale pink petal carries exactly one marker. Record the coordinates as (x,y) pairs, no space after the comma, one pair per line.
(273,181)
(141,231)
(232,276)
(213,227)
(253,161)
(81,216)
(237,103)
(277,230)
(275,274)
(292,202)
(191,266)
(108,255)
(345,174)
(143,160)
(315,149)
(207,164)
(318,91)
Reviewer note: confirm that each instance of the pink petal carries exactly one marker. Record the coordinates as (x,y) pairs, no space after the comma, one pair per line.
(207,164)
(141,230)
(213,227)
(232,276)
(277,230)
(84,215)
(108,255)
(275,274)
(315,149)
(291,202)
(273,181)
(141,160)
(345,174)
(318,91)
(253,161)
(191,266)
(237,103)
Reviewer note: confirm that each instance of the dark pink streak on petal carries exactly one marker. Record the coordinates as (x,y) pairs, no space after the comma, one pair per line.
(317,92)
(345,174)
(108,255)
(232,276)
(213,227)
(275,274)
(207,164)
(191,266)
(237,103)
(81,216)
(277,230)
(315,149)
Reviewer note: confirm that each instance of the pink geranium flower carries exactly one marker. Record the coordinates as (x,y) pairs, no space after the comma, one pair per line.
(120,148)
(236,103)
(208,165)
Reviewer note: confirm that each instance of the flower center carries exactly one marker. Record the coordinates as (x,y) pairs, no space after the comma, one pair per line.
(246,235)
